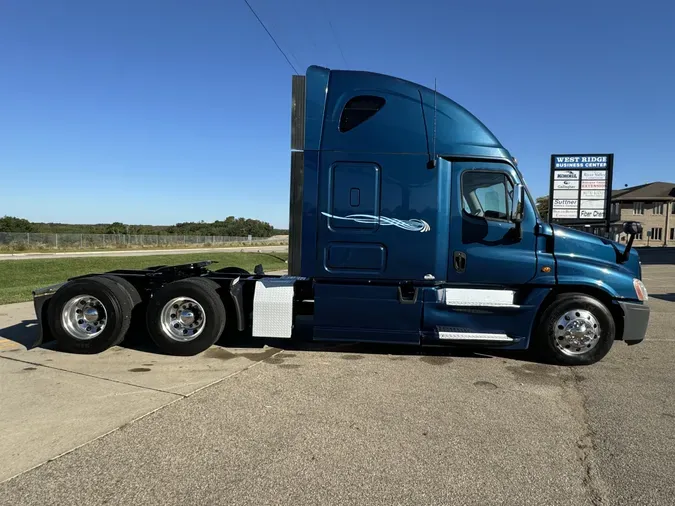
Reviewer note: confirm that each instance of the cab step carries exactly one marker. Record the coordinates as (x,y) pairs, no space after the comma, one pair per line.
(450,334)
(465,336)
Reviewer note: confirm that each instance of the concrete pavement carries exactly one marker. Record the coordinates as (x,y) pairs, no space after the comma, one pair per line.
(54,402)
(343,425)
(629,405)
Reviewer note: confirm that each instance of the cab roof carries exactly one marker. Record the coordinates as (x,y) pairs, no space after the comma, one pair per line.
(402,119)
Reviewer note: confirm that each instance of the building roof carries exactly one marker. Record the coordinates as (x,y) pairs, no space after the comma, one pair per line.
(647,191)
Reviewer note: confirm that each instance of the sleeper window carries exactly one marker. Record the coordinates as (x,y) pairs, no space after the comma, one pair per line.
(358,110)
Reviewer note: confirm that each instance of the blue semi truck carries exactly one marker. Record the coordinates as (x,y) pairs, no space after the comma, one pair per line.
(409,223)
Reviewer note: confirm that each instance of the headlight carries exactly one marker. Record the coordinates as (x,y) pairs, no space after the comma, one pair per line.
(640,290)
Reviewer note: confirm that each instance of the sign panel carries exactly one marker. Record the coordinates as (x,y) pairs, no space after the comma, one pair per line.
(581,161)
(565,185)
(592,204)
(596,185)
(564,213)
(566,174)
(581,188)
(592,214)
(565,194)
(565,203)
(595,174)
(591,194)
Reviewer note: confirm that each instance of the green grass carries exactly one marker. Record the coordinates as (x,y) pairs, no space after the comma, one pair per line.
(18,278)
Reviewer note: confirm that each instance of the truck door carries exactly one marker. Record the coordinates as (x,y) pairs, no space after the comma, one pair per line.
(486,247)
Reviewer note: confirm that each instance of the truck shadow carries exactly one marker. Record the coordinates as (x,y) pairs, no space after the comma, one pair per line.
(657,256)
(24,333)
(436,355)
(668,297)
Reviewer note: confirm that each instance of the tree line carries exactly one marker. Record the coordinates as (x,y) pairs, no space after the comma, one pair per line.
(542,206)
(230,226)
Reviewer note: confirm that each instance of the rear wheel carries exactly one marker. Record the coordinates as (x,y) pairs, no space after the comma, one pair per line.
(186,317)
(126,285)
(575,329)
(90,315)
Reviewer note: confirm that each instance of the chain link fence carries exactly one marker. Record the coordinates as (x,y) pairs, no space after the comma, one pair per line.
(19,241)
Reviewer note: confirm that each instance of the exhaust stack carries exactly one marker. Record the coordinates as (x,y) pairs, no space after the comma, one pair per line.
(297,174)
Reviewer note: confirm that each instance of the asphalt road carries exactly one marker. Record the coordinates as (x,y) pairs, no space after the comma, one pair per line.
(137,253)
(340,425)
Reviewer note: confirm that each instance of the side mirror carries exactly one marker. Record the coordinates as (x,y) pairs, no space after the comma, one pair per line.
(518,204)
(632,227)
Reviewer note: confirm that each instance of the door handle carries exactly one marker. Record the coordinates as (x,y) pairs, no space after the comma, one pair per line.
(459,261)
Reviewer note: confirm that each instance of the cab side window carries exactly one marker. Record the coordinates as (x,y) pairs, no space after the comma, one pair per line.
(487,194)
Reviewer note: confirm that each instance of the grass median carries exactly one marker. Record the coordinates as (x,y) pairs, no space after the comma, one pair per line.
(18,278)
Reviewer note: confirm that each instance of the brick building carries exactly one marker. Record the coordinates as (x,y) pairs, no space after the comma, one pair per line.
(653,205)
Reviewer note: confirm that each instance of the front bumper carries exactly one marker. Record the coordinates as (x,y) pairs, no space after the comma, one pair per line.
(635,320)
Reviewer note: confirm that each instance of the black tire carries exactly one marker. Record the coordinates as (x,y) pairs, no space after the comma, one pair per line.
(205,293)
(118,307)
(545,340)
(130,289)
(136,333)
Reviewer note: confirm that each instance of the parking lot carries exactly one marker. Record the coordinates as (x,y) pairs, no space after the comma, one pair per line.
(270,423)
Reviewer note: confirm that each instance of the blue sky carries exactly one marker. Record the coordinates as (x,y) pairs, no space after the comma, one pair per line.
(159,111)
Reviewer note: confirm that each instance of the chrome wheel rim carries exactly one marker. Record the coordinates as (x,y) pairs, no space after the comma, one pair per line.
(84,317)
(577,332)
(183,319)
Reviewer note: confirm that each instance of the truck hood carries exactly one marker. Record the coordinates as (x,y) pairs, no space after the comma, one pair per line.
(584,247)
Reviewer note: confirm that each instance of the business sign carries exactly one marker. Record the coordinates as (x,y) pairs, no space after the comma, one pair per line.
(581,188)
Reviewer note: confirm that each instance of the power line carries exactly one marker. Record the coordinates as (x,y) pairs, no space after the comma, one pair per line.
(337,42)
(271,37)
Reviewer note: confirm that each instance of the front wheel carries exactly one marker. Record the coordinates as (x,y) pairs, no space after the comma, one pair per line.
(575,329)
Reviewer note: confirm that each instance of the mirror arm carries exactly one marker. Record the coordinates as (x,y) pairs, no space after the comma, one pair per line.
(626,251)
(518,210)
(632,228)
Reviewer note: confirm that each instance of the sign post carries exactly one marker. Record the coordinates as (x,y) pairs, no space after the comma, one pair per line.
(580,192)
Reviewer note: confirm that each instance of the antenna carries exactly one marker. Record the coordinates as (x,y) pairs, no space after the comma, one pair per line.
(434,121)
(432,162)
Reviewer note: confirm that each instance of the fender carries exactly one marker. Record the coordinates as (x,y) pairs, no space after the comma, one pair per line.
(237,295)
(615,280)
(597,284)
